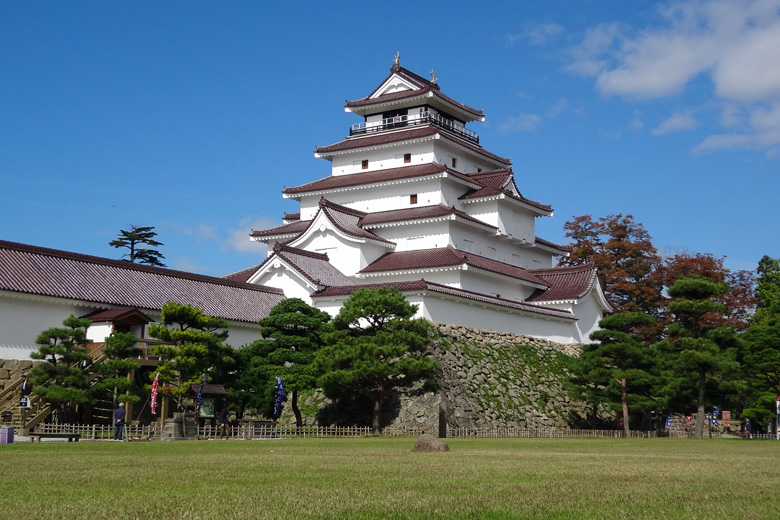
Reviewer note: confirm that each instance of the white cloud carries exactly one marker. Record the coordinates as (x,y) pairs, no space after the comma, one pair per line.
(537,34)
(238,237)
(732,43)
(202,233)
(522,123)
(676,123)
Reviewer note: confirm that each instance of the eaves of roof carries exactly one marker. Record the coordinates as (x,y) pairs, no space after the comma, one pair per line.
(423,85)
(376,177)
(416,133)
(422,213)
(565,283)
(423,285)
(447,257)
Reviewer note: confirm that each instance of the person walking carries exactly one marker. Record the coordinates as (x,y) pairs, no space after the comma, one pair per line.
(224,422)
(119,421)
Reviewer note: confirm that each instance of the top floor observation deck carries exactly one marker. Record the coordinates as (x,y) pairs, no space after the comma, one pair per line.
(424,117)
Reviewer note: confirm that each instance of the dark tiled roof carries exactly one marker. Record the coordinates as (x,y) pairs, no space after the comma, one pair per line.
(334,182)
(498,182)
(565,283)
(292,216)
(445,257)
(347,220)
(60,274)
(244,274)
(553,245)
(120,314)
(293,228)
(417,132)
(423,87)
(313,266)
(417,213)
(422,285)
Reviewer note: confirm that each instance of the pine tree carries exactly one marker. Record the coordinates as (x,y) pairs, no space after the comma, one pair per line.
(619,357)
(139,236)
(698,354)
(63,381)
(291,335)
(376,346)
(194,346)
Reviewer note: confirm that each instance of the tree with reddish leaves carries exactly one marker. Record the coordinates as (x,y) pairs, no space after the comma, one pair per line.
(738,301)
(626,259)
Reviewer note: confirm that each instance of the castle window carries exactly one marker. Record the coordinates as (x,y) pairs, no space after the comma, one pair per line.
(364,164)
(454,162)
(413,199)
(407,158)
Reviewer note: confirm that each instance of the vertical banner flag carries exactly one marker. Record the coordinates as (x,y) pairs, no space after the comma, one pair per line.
(200,393)
(669,421)
(715,413)
(154,393)
(279,396)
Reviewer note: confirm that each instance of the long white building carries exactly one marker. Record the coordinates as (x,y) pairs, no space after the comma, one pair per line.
(413,200)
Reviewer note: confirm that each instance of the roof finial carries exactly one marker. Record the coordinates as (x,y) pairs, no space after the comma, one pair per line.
(397,58)
(433,77)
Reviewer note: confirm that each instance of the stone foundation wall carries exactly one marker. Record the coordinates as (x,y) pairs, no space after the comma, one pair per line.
(493,380)
(12,369)
(489,380)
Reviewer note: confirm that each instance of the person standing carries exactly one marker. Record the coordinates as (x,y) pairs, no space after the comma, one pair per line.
(223,422)
(25,392)
(119,421)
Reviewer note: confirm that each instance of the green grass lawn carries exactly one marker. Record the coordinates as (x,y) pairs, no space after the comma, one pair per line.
(384,478)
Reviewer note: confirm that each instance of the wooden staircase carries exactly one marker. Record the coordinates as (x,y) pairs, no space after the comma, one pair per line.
(39,410)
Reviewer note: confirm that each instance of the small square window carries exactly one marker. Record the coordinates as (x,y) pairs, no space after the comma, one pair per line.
(413,199)
(364,164)
(407,158)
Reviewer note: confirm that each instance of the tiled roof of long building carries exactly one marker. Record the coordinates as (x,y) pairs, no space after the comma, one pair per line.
(60,274)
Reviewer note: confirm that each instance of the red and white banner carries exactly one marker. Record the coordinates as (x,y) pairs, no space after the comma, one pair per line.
(154,393)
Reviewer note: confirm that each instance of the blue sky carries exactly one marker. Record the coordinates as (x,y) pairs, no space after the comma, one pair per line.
(193,116)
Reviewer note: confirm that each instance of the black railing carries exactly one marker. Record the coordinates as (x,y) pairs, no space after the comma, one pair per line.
(415,119)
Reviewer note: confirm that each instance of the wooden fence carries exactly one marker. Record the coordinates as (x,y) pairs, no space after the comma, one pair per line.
(265,431)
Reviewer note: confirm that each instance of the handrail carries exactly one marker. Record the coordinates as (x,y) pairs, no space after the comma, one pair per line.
(414,119)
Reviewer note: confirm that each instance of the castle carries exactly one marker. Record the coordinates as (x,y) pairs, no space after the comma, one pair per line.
(414,201)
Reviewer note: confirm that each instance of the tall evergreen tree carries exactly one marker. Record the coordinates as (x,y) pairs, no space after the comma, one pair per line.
(194,346)
(133,240)
(697,353)
(376,346)
(63,380)
(619,357)
(292,338)
(761,345)
(767,289)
